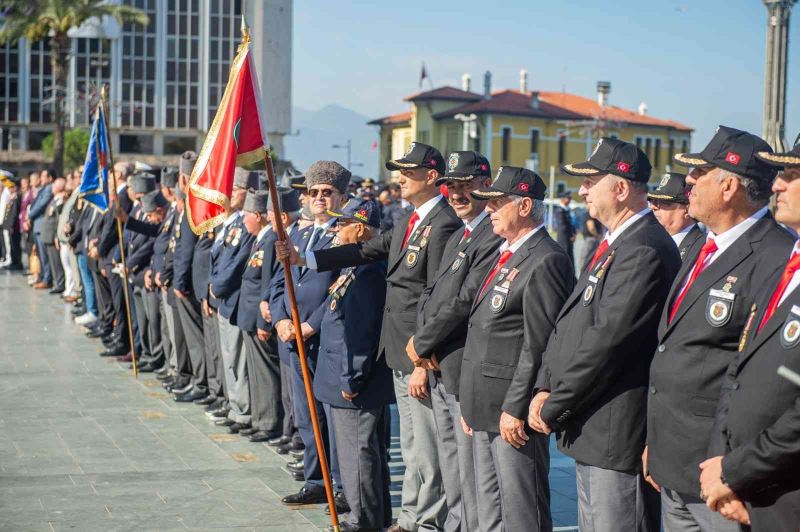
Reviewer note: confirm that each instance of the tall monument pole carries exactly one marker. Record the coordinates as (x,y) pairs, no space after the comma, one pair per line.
(778,12)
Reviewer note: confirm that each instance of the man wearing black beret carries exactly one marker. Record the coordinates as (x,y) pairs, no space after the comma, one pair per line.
(670,204)
(592,386)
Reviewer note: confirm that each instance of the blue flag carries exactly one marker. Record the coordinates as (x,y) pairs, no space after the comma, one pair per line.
(94,181)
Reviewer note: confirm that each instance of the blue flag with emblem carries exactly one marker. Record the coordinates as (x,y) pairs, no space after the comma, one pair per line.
(94,181)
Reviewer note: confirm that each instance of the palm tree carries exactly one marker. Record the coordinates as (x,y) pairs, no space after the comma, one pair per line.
(52,19)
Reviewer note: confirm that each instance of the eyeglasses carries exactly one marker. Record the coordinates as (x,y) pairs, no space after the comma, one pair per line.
(325,192)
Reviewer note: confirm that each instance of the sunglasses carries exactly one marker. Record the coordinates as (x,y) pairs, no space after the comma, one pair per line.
(325,192)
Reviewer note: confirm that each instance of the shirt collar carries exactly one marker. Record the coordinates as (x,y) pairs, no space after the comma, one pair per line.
(518,244)
(264,230)
(726,238)
(476,221)
(327,225)
(615,234)
(680,235)
(425,209)
(232,217)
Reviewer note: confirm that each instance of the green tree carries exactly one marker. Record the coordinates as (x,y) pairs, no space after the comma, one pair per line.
(75,143)
(52,19)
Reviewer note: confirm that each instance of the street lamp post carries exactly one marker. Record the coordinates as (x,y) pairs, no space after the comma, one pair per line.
(347,147)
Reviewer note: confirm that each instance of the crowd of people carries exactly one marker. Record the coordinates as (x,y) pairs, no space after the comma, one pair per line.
(656,369)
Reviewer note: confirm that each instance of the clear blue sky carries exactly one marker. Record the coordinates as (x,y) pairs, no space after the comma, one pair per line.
(700,62)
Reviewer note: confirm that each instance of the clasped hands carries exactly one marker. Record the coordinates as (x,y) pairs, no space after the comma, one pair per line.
(286,330)
(718,495)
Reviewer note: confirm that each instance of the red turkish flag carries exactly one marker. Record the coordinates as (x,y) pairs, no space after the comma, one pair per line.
(236,138)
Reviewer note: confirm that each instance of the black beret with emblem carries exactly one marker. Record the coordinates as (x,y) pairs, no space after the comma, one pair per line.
(256,201)
(358,210)
(672,189)
(513,181)
(789,159)
(153,200)
(733,150)
(188,158)
(288,199)
(465,166)
(169,176)
(247,179)
(613,156)
(142,183)
(419,155)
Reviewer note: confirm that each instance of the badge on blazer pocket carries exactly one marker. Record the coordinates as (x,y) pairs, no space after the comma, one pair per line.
(458,262)
(590,290)
(412,255)
(498,299)
(719,307)
(790,333)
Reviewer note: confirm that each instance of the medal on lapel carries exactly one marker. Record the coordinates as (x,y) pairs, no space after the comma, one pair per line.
(790,334)
(257,259)
(502,274)
(457,263)
(501,290)
(747,326)
(237,236)
(591,288)
(425,234)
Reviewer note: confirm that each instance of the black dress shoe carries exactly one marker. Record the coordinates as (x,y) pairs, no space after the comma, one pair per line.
(219,413)
(299,476)
(295,466)
(207,400)
(224,422)
(97,333)
(290,446)
(236,427)
(190,396)
(180,390)
(261,436)
(109,339)
(341,507)
(306,496)
(164,370)
(163,377)
(149,368)
(57,290)
(280,440)
(249,431)
(297,454)
(116,350)
(216,405)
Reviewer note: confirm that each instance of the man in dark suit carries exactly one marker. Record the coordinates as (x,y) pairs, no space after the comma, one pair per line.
(670,205)
(510,320)
(48,226)
(414,251)
(354,383)
(36,217)
(441,332)
(592,387)
(261,347)
(565,229)
(755,446)
(327,183)
(708,306)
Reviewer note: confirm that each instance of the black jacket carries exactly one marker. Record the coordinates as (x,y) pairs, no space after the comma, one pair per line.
(410,271)
(445,305)
(694,234)
(757,426)
(509,325)
(597,361)
(695,350)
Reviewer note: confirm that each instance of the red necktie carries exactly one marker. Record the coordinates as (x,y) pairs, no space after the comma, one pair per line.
(602,248)
(792,266)
(466,234)
(411,222)
(504,256)
(708,249)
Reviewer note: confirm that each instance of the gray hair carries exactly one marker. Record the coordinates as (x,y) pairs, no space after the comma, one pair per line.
(757,192)
(636,186)
(538,210)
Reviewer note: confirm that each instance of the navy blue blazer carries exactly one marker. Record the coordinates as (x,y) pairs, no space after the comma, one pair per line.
(226,274)
(201,265)
(161,242)
(258,271)
(349,338)
(182,256)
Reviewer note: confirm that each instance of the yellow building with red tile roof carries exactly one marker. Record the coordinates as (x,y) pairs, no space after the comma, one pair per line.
(537,129)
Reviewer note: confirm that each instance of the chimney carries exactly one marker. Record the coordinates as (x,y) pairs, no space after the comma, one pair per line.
(487,84)
(466,81)
(535,99)
(523,80)
(642,108)
(603,90)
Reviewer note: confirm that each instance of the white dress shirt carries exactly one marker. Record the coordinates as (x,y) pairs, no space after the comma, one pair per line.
(615,234)
(518,244)
(681,235)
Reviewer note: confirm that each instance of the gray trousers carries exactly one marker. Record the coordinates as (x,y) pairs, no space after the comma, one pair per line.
(611,500)
(235,366)
(192,323)
(152,308)
(512,484)
(264,376)
(215,371)
(455,458)
(137,294)
(167,329)
(423,505)
(361,449)
(289,429)
(687,513)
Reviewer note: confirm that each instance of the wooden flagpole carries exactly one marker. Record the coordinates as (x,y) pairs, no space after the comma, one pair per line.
(301,349)
(104,104)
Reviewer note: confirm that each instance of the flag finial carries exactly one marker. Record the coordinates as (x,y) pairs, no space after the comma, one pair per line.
(245,31)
